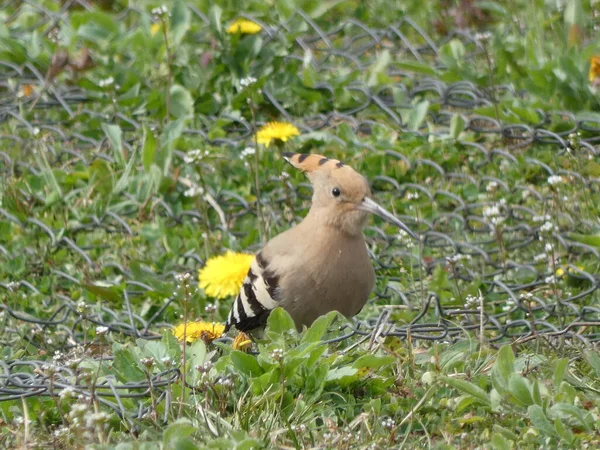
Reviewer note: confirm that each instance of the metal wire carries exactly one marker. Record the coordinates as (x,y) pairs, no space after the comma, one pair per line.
(525,297)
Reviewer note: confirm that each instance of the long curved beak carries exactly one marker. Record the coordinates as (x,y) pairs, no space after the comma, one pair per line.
(369,205)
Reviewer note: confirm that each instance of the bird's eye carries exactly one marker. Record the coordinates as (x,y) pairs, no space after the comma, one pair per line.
(335,192)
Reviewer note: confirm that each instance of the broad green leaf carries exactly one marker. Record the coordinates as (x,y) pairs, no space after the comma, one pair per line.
(319,327)
(414,66)
(499,442)
(246,364)
(182,104)
(457,124)
(149,149)
(559,371)
(503,368)
(592,240)
(114,133)
(468,388)
(417,115)
(519,388)
(342,373)
(126,364)
(568,411)
(593,360)
(196,356)
(171,133)
(110,293)
(280,321)
(373,361)
(180,21)
(177,431)
(540,421)
(125,179)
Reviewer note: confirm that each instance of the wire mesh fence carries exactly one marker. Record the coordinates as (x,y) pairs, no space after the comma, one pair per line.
(514,241)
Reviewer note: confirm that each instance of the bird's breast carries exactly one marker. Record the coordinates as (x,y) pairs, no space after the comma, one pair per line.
(337,276)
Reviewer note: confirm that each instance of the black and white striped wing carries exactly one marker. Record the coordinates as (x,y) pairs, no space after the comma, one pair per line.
(257,297)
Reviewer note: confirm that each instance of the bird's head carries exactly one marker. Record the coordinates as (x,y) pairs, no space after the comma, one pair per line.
(342,197)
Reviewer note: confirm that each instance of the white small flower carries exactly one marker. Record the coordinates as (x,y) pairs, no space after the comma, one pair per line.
(106,82)
(491,187)
(549,247)
(541,218)
(248,151)
(551,279)
(412,196)
(101,331)
(548,227)
(194,191)
(388,423)
(491,211)
(555,179)
(192,156)
(35,131)
(248,81)
(480,37)
(277,354)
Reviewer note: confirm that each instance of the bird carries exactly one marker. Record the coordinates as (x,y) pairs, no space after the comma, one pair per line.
(322,264)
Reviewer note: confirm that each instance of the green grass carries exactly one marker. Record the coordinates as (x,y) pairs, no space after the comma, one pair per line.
(133,175)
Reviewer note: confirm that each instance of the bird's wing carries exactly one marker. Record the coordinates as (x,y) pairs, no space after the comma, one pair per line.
(257,297)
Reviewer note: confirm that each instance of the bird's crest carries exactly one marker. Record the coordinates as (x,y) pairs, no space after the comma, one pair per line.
(308,162)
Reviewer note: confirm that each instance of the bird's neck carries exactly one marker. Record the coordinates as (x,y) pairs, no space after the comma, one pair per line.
(332,223)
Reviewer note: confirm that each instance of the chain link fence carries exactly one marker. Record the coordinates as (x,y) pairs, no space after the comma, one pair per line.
(520,252)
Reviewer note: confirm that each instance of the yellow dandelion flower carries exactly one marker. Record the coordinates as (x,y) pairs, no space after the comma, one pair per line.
(242,342)
(207,331)
(155,28)
(276,131)
(222,276)
(243,26)
(594,68)
(561,270)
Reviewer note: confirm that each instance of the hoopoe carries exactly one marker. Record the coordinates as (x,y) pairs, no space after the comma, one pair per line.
(321,264)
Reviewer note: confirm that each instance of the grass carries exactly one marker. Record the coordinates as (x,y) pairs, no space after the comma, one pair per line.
(122,161)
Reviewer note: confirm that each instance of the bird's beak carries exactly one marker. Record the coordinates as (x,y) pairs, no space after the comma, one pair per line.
(369,205)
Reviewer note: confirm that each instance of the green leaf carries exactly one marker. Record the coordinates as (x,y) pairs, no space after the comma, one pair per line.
(417,115)
(457,125)
(180,21)
(171,132)
(378,67)
(246,364)
(540,421)
(592,240)
(318,328)
(417,67)
(468,388)
(125,179)
(149,149)
(196,356)
(177,431)
(568,411)
(126,364)
(499,442)
(373,361)
(280,321)
(593,360)
(182,104)
(114,134)
(214,16)
(559,371)
(106,292)
(503,368)
(342,374)
(519,388)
